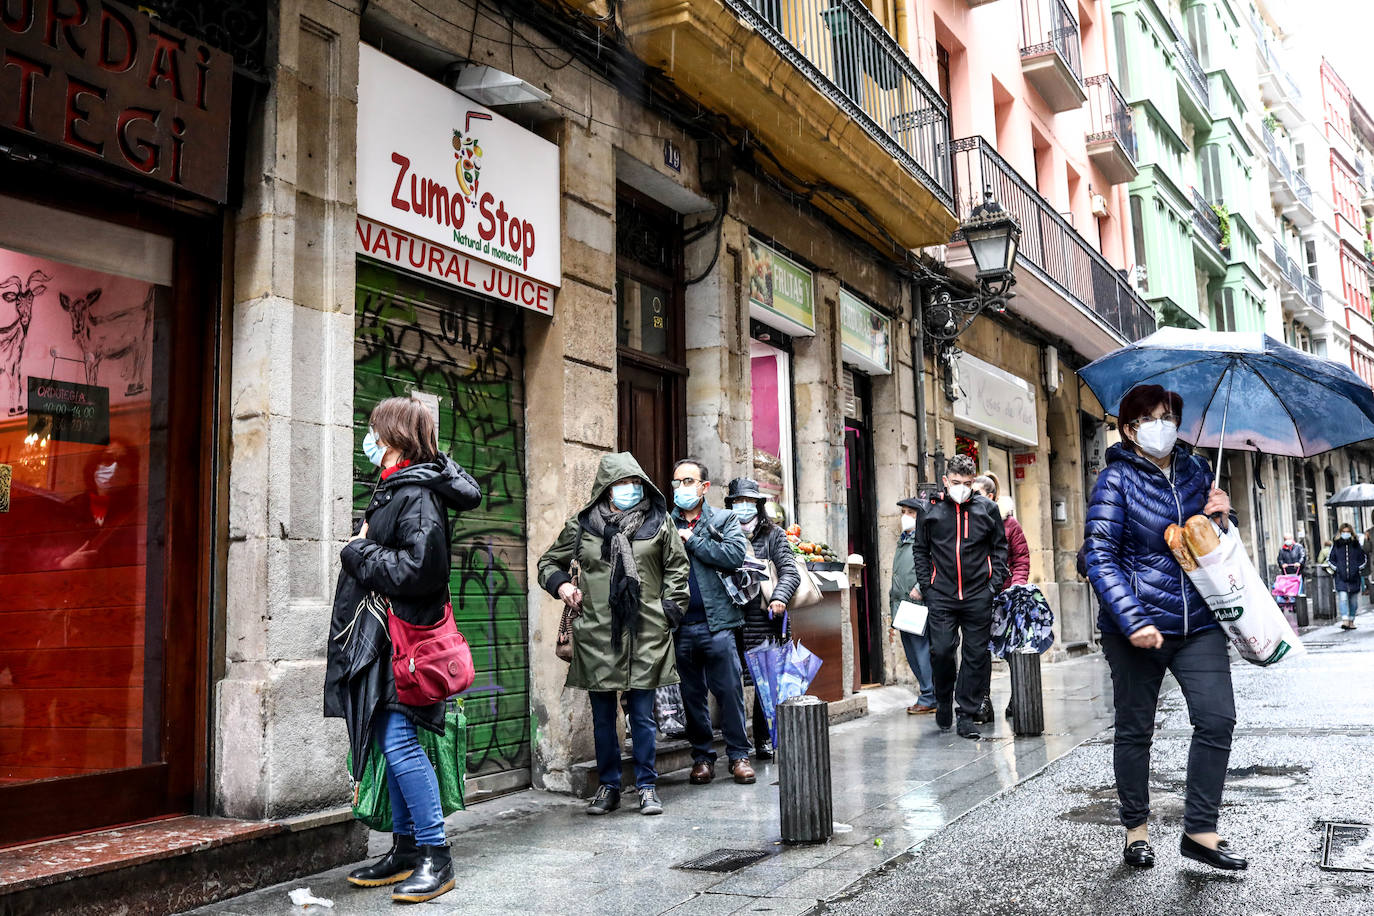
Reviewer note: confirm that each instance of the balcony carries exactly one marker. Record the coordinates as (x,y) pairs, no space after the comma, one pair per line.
(1064,284)
(1111,130)
(1288,185)
(1278,90)
(1051,53)
(1196,97)
(1298,290)
(828,91)
(1207,235)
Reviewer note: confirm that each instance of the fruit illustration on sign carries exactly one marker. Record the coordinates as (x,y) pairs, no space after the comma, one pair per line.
(467,166)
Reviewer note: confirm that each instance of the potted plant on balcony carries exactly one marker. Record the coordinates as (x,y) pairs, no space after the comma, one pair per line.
(1270,122)
(1224,223)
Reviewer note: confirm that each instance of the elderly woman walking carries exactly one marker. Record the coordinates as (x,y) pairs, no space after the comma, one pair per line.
(629,592)
(1153,620)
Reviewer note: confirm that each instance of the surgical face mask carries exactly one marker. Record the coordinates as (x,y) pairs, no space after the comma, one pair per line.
(959,492)
(626,495)
(1346,535)
(746,512)
(1156,438)
(373,449)
(104,475)
(686,498)
(908,523)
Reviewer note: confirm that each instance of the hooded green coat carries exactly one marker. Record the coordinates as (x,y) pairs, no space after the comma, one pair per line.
(646,657)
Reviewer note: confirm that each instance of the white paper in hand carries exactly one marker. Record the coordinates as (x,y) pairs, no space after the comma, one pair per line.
(911,617)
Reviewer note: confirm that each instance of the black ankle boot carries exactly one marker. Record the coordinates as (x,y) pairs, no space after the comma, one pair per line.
(433,876)
(400,860)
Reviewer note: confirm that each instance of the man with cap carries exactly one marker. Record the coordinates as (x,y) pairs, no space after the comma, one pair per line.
(905,587)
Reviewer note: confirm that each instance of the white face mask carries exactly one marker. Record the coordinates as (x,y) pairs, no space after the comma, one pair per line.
(1156,438)
(908,523)
(103,474)
(959,492)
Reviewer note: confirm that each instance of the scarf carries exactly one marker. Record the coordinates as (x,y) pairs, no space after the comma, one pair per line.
(618,553)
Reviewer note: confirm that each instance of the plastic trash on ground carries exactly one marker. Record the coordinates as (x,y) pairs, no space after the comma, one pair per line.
(301,896)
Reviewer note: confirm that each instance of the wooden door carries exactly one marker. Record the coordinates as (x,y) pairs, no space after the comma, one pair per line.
(647,421)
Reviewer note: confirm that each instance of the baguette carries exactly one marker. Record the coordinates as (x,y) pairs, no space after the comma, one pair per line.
(1174,537)
(1201,536)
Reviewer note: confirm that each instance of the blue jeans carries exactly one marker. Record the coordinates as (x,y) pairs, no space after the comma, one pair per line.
(709,661)
(1347,603)
(917,649)
(411,781)
(643,732)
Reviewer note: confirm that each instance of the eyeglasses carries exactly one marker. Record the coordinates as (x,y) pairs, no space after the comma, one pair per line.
(684,482)
(1167,418)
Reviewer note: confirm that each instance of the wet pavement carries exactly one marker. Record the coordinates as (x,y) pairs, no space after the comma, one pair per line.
(897,781)
(1303,755)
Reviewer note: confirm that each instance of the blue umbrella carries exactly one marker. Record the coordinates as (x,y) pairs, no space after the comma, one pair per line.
(1286,402)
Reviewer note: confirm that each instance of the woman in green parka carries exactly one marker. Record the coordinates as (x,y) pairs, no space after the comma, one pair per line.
(629,595)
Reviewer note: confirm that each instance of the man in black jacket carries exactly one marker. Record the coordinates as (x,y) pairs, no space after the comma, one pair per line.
(961,558)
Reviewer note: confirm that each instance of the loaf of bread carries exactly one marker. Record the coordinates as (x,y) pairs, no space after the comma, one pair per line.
(1174,537)
(1201,536)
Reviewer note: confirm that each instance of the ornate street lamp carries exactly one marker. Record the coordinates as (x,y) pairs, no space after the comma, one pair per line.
(992,235)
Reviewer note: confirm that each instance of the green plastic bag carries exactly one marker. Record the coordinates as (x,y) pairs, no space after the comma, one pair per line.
(447,754)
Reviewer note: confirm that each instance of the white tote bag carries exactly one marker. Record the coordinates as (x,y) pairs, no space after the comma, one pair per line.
(911,618)
(1242,603)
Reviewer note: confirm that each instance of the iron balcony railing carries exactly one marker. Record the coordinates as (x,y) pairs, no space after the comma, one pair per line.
(1302,189)
(1308,289)
(1205,220)
(1108,114)
(1312,292)
(1049,245)
(1193,72)
(1271,62)
(1049,25)
(1277,155)
(846,52)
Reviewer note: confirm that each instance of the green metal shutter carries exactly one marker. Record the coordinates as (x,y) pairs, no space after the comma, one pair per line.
(413,335)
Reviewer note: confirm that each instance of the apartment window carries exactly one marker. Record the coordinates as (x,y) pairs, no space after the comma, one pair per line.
(1138,229)
(1355,281)
(1209,163)
(1196,21)
(1122,62)
(1310,249)
(1345,190)
(942,68)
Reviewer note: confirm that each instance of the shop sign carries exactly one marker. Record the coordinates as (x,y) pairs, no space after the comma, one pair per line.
(782,293)
(865,335)
(69,411)
(455,176)
(99,79)
(996,401)
(407,252)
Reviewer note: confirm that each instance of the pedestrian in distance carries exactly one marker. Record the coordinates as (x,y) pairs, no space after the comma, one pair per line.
(762,619)
(1292,557)
(906,586)
(1018,568)
(1368,545)
(1153,620)
(707,655)
(960,551)
(619,565)
(1347,562)
(402,553)
(1325,552)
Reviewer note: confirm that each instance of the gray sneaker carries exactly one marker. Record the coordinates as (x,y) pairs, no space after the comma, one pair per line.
(606,800)
(648,801)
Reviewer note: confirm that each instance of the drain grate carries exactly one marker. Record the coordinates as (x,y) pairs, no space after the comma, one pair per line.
(724,860)
(1348,847)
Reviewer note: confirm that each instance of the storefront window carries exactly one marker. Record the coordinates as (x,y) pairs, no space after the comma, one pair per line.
(83,440)
(772,408)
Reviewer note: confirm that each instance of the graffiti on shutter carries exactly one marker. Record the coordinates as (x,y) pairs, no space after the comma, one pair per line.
(411,336)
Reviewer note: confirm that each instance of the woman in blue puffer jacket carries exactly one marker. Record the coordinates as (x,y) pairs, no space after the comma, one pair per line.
(1153,620)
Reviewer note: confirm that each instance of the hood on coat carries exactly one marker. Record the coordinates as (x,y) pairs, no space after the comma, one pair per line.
(618,466)
(449,482)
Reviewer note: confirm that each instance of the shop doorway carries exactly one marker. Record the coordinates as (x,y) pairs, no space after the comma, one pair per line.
(862,500)
(650,349)
(462,356)
(104,546)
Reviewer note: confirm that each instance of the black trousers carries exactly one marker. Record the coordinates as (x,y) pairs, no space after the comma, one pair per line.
(1202,668)
(965,682)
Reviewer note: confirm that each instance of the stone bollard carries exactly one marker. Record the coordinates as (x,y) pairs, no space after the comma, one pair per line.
(1027,698)
(803,754)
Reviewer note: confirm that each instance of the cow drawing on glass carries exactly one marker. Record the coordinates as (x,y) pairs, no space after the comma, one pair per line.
(111,332)
(20,295)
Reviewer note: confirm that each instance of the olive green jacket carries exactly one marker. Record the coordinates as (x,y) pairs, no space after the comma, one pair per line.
(646,657)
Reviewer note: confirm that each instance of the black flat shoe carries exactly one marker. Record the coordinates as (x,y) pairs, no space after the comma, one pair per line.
(1139,854)
(968,728)
(944,716)
(1221,857)
(432,877)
